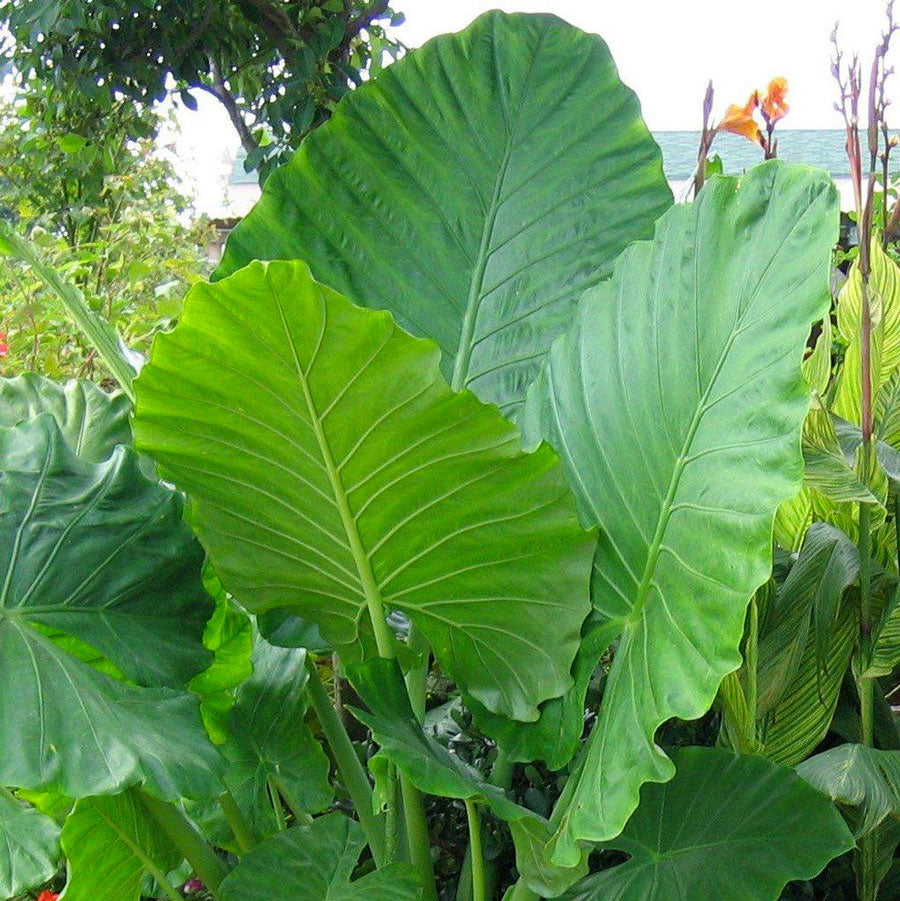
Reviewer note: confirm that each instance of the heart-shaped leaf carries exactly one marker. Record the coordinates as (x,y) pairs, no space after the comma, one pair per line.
(332,472)
(676,402)
(474,189)
(726,827)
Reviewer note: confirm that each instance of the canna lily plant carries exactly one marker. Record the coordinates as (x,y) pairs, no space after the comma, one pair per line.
(451,500)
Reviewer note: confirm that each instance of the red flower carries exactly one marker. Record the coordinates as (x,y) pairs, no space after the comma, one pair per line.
(4,350)
(48,896)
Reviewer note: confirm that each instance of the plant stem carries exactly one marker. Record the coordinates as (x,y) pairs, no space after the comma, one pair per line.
(390,816)
(300,815)
(182,833)
(417,835)
(275,799)
(479,892)
(351,770)
(751,653)
(243,833)
(417,677)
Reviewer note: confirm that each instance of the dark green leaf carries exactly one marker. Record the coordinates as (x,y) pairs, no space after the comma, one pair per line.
(315,863)
(100,553)
(473,189)
(726,827)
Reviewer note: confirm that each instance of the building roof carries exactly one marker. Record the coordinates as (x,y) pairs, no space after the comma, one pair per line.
(815,147)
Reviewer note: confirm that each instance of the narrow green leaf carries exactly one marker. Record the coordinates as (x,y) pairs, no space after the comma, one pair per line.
(828,469)
(101,335)
(859,777)
(474,189)
(884,282)
(805,610)
(334,474)
(676,401)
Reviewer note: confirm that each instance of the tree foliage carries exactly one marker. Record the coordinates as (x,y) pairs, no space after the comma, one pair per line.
(277,66)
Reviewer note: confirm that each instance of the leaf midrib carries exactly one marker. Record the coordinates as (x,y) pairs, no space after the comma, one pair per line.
(476,284)
(361,560)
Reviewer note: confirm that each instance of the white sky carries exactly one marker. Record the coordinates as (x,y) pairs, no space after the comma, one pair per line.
(665,49)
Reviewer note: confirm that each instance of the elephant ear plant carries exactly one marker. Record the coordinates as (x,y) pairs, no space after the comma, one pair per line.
(469,404)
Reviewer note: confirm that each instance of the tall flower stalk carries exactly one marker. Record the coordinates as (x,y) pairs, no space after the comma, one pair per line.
(849,78)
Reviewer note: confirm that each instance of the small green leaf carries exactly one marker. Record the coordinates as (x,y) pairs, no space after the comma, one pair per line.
(91,421)
(269,741)
(229,635)
(315,863)
(111,844)
(31,846)
(858,777)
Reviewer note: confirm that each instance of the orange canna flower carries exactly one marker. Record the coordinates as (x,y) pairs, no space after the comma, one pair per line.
(773,104)
(739,120)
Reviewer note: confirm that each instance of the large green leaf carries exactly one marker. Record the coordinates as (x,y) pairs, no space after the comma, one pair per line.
(333,472)
(100,553)
(315,863)
(270,748)
(474,189)
(111,845)
(676,402)
(30,842)
(726,827)
(92,421)
(431,768)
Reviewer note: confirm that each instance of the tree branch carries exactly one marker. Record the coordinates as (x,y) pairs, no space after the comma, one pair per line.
(219,90)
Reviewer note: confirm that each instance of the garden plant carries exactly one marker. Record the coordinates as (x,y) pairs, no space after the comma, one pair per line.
(488,526)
